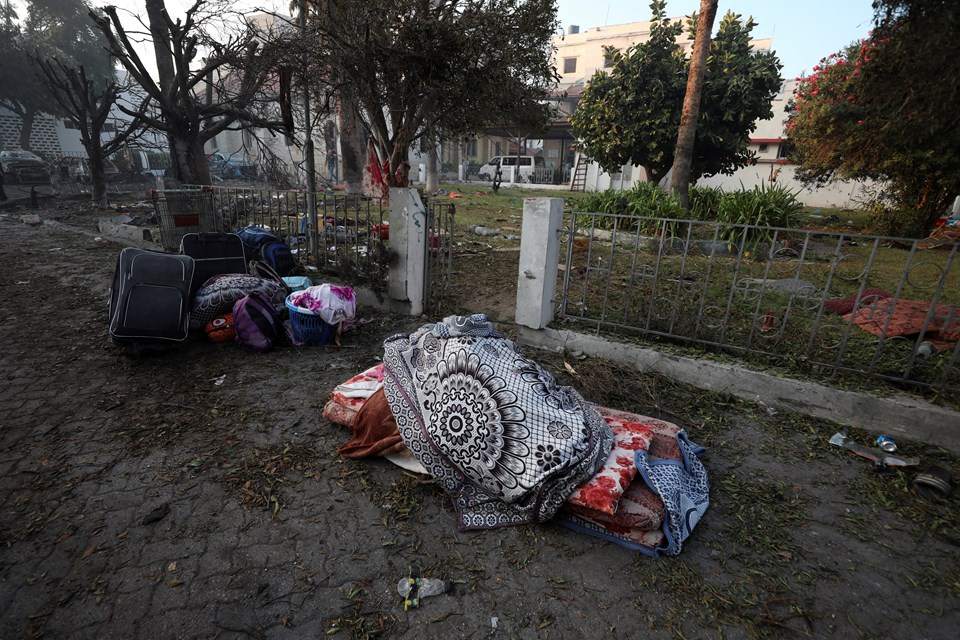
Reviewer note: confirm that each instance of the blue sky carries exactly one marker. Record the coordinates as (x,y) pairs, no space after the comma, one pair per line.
(803,31)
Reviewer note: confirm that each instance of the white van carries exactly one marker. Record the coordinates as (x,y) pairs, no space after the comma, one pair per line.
(524,173)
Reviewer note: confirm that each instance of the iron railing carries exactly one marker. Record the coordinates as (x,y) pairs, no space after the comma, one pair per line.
(439,248)
(344,236)
(771,293)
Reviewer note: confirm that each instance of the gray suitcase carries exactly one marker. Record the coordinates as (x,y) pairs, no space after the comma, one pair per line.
(150,299)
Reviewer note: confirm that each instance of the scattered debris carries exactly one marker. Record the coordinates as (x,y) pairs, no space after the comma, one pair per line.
(219,380)
(933,482)
(31,219)
(413,589)
(879,457)
(886,443)
(480,230)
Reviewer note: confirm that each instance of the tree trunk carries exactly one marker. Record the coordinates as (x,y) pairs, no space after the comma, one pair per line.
(98,178)
(160,34)
(353,147)
(26,128)
(683,153)
(433,167)
(189,161)
(400,163)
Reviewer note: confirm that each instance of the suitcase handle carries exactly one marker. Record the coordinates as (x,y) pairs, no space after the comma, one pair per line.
(210,237)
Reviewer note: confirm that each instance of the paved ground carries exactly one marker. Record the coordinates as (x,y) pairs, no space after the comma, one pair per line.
(139,498)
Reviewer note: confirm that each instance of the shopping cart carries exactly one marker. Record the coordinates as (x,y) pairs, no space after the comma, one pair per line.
(182,211)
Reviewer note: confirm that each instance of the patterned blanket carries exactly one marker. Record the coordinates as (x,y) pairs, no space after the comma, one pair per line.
(659,509)
(646,494)
(489,424)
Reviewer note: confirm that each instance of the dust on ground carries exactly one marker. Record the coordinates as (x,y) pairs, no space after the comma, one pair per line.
(143,497)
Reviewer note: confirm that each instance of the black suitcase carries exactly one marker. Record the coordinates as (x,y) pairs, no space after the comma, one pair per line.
(150,299)
(213,253)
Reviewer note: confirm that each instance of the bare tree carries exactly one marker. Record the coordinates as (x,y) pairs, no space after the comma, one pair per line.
(683,155)
(212,76)
(51,29)
(89,104)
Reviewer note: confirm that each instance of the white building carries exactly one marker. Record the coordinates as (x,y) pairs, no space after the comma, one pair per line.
(579,54)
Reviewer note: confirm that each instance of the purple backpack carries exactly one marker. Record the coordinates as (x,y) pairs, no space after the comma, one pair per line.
(257,323)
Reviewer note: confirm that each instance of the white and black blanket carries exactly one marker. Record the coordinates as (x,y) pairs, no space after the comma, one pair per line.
(490,424)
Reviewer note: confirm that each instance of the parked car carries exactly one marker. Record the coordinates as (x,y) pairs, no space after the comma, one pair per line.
(24,167)
(524,173)
(78,170)
(231,166)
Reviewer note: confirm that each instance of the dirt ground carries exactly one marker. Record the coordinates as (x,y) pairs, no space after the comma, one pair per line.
(198,494)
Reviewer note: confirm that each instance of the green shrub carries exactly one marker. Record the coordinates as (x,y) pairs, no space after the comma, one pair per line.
(644,199)
(889,221)
(762,206)
(705,202)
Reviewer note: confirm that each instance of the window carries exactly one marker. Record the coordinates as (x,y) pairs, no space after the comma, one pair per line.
(763,148)
(783,151)
(471,147)
(569,65)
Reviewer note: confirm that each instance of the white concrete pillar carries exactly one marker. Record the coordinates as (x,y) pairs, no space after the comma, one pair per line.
(539,256)
(408,233)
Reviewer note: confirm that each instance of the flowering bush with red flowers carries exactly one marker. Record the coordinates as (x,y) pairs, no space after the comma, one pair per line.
(882,109)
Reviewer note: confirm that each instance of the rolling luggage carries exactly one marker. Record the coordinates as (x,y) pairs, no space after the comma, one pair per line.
(150,299)
(213,253)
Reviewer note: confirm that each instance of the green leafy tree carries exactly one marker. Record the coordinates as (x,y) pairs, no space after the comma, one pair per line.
(452,67)
(52,28)
(884,109)
(632,114)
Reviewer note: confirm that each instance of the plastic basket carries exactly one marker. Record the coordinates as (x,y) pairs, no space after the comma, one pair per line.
(180,212)
(309,328)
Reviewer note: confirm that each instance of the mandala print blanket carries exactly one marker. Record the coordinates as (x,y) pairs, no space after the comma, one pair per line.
(490,425)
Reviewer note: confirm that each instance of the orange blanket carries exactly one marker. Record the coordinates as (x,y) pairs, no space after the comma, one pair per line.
(907,317)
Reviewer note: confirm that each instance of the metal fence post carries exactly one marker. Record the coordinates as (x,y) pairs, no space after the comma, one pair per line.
(539,257)
(408,233)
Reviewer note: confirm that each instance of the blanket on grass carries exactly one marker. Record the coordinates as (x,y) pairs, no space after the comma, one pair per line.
(890,317)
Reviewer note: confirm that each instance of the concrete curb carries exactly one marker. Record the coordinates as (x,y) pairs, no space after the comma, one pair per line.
(901,416)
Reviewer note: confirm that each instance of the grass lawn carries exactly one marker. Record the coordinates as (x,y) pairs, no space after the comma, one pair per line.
(691,295)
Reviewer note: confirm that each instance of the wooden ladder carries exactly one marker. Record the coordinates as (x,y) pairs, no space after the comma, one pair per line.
(579,180)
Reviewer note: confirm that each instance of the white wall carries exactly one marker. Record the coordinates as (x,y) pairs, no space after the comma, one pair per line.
(843,195)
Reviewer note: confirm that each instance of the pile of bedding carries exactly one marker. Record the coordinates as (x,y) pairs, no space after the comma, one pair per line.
(459,402)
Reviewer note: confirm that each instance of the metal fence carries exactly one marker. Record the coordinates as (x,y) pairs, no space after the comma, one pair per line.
(343,236)
(439,248)
(822,302)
